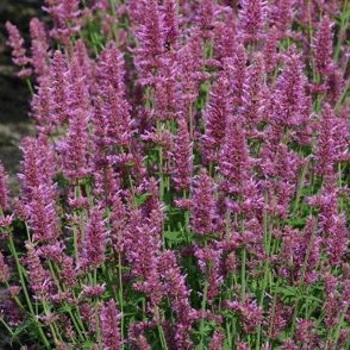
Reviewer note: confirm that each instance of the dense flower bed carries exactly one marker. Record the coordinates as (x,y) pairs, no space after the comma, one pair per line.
(187,185)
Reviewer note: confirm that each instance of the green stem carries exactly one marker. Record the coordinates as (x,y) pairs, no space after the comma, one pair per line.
(25,291)
(121,298)
(204,304)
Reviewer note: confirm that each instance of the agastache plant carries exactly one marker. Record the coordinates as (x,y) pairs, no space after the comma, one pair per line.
(186,186)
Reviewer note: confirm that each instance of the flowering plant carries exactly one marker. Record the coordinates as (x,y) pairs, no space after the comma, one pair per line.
(187,185)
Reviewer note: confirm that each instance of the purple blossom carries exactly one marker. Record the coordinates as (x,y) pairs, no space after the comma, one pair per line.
(66,18)
(203,207)
(209,261)
(225,36)
(183,158)
(151,38)
(290,102)
(280,16)
(176,289)
(40,49)
(39,191)
(171,24)
(215,119)
(94,244)
(59,86)
(216,341)
(19,56)
(332,142)
(323,46)
(235,162)
(252,16)
(39,278)
(5,273)
(250,313)
(114,108)
(110,319)
(74,148)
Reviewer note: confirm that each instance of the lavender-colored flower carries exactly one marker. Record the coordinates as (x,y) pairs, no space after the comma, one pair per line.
(323,46)
(270,50)
(74,148)
(151,38)
(166,91)
(217,340)
(252,16)
(176,289)
(94,245)
(19,57)
(209,261)
(281,173)
(78,92)
(190,74)
(170,23)
(42,215)
(115,109)
(301,252)
(235,162)
(334,84)
(42,107)
(39,191)
(280,16)
(206,19)
(215,118)
(68,271)
(66,18)
(250,313)
(289,344)
(305,333)
(137,337)
(203,207)
(225,37)
(4,270)
(242,346)
(278,318)
(183,158)
(110,319)
(93,291)
(290,103)
(142,248)
(235,72)
(332,142)
(254,96)
(59,86)
(39,48)
(39,278)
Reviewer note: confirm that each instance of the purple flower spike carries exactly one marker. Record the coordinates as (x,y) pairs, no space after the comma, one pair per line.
(183,158)
(252,17)
(110,319)
(40,48)
(19,57)
(93,254)
(203,208)
(324,46)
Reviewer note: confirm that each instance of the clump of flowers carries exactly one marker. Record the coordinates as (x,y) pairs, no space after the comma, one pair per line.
(187,183)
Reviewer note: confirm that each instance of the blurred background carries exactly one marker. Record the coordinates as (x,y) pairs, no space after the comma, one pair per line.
(14,94)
